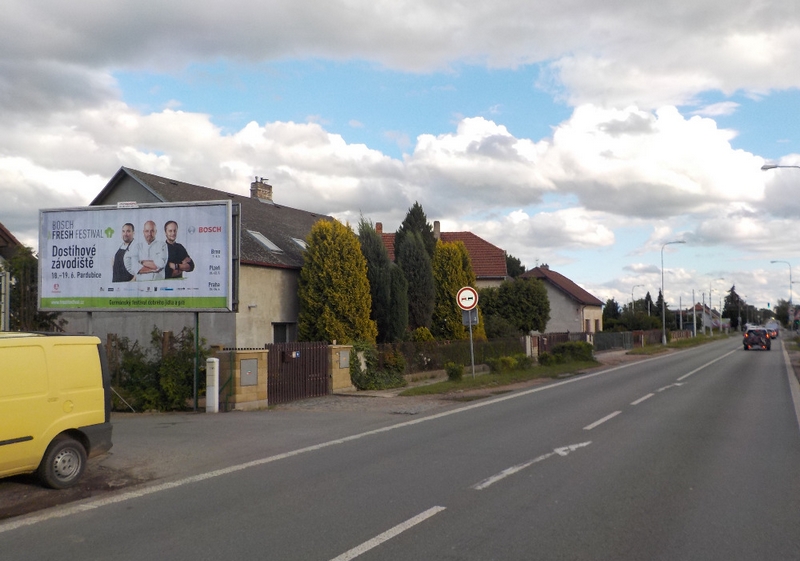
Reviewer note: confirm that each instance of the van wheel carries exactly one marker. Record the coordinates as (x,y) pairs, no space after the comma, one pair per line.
(63,463)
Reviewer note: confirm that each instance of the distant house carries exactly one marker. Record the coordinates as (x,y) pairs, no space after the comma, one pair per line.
(8,245)
(571,308)
(488,261)
(272,244)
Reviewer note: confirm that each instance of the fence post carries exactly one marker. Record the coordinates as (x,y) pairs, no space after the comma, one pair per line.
(212,385)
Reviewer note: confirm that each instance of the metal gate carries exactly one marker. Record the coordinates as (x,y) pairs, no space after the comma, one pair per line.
(297,371)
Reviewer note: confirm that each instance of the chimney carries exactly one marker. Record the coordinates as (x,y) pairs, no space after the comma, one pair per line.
(261,190)
(379,227)
(437,230)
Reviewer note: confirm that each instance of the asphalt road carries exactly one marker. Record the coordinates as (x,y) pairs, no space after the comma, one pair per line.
(691,455)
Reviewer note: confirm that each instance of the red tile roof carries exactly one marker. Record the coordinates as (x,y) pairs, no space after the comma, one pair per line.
(488,261)
(563,284)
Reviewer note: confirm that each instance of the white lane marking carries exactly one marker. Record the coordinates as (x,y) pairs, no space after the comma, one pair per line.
(389,534)
(641,399)
(675,385)
(563,451)
(682,378)
(601,421)
(60,512)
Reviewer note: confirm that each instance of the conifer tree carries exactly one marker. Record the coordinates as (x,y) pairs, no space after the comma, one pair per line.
(452,271)
(379,277)
(334,290)
(416,221)
(416,266)
(398,304)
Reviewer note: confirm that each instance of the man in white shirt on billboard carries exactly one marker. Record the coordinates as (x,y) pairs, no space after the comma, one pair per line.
(146,259)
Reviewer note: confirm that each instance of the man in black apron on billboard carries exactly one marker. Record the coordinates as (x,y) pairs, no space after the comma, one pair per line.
(120,273)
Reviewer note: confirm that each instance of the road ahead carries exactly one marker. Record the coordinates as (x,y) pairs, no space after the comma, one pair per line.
(693,455)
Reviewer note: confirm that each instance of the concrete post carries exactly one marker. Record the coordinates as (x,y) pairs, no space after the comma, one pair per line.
(212,385)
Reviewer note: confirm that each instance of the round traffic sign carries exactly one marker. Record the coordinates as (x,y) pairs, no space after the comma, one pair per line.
(467,298)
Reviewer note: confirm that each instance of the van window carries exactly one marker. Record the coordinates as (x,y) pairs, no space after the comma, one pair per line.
(23,372)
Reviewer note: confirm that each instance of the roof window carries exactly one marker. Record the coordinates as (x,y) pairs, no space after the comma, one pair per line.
(265,241)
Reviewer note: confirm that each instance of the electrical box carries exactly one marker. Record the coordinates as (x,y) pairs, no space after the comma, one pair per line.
(248,371)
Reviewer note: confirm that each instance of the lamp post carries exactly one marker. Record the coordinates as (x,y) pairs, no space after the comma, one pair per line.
(663,298)
(711,309)
(767,167)
(789,310)
(633,302)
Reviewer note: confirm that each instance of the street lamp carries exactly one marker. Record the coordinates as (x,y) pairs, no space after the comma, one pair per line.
(633,305)
(711,310)
(789,311)
(767,167)
(663,298)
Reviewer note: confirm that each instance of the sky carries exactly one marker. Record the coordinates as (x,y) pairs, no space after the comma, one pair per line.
(584,135)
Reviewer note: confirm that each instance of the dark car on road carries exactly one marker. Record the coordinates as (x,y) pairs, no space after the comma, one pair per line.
(772,328)
(757,338)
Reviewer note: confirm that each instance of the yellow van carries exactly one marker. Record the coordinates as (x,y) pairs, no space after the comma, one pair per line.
(55,405)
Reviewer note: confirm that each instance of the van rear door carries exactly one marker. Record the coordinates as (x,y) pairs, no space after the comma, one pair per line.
(23,392)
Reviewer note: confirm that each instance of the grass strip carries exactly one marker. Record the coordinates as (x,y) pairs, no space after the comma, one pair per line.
(499,379)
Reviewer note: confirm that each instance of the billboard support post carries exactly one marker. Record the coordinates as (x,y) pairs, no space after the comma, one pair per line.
(196,355)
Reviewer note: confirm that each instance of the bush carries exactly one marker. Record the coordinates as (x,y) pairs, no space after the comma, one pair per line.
(160,378)
(579,351)
(524,362)
(549,359)
(382,371)
(421,334)
(454,371)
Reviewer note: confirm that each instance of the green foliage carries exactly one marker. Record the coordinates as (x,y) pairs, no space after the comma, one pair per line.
(550,359)
(522,303)
(451,271)
(611,310)
(382,371)
(398,304)
(497,326)
(160,378)
(578,351)
(334,290)
(454,371)
(514,266)
(379,277)
(421,334)
(416,265)
(24,299)
(508,363)
(416,222)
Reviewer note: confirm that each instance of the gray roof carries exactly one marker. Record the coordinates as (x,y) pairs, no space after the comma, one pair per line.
(280,224)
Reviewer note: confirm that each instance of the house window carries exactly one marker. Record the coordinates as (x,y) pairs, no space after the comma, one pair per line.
(284,332)
(597,326)
(302,243)
(265,241)
(587,325)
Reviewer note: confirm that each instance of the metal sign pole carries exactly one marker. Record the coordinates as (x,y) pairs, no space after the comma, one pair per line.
(467,300)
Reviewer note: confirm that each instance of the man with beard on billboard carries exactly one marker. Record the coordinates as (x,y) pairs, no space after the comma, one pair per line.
(178,261)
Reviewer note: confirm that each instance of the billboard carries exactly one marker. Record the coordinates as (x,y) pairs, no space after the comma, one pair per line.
(137,257)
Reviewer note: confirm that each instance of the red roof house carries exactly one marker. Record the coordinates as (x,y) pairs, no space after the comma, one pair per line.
(488,261)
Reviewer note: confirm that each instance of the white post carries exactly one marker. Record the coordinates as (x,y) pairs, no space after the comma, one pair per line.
(212,385)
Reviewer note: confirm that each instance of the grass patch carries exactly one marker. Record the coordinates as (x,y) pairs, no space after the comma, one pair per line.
(495,380)
(678,344)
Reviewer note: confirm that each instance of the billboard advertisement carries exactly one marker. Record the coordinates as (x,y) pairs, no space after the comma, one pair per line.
(137,257)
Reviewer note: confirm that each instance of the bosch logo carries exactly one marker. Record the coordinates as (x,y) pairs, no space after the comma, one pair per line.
(191,229)
(56,287)
(209,229)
